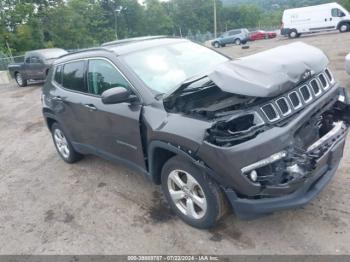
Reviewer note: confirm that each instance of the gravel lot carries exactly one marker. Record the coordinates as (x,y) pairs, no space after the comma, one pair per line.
(95,207)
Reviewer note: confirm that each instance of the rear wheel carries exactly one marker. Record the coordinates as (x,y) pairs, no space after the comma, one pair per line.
(344,28)
(21,81)
(293,33)
(63,145)
(194,197)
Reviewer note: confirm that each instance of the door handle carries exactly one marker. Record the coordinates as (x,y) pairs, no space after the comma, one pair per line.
(90,107)
(57,98)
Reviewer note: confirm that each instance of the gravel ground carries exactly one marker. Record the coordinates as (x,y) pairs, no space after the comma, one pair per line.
(95,207)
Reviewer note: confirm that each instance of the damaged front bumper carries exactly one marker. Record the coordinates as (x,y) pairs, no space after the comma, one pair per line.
(294,175)
(308,188)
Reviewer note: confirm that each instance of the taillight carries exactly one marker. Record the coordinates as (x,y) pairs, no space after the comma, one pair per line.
(282,24)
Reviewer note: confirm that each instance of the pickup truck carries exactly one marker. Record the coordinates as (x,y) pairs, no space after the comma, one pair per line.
(35,66)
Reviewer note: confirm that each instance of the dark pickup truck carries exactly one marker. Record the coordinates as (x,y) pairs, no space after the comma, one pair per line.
(35,66)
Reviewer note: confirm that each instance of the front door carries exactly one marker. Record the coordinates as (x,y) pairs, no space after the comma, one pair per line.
(114,130)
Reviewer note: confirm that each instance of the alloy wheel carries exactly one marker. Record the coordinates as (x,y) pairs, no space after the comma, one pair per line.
(187,195)
(19,79)
(344,28)
(61,143)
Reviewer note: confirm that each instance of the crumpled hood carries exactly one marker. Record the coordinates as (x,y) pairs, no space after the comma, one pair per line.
(270,73)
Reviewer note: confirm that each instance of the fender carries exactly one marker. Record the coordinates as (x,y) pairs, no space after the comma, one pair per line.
(177,150)
(343,22)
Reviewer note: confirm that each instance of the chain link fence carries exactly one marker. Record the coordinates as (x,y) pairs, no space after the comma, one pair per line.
(5,60)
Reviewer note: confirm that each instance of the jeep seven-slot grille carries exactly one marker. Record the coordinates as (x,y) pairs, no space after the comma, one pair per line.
(297,99)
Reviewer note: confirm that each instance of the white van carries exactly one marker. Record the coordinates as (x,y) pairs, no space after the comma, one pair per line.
(314,19)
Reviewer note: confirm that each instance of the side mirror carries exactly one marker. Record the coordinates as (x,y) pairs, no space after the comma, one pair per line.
(117,95)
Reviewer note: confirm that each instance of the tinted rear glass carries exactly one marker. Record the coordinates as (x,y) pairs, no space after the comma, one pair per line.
(73,76)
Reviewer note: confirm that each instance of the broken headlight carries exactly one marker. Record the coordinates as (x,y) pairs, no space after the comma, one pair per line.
(236,129)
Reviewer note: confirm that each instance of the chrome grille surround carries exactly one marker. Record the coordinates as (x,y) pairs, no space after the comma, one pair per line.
(327,86)
(317,94)
(300,104)
(289,110)
(267,115)
(306,88)
(295,99)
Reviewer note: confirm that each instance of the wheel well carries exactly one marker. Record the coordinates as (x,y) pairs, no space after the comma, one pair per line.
(342,23)
(160,156)
(50,122)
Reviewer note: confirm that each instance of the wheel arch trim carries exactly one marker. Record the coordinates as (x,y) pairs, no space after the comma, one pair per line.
(176,150)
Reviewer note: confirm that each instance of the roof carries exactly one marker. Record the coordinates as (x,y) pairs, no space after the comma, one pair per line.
(45,51)
(122,47)
(131,40)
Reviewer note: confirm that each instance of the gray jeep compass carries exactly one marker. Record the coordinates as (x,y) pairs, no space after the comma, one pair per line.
(258,134)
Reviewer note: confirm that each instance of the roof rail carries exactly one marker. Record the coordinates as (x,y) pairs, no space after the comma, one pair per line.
(84,50)
(134,39)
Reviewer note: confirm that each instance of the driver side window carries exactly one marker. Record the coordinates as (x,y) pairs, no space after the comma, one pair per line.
(102,75)
(337,12)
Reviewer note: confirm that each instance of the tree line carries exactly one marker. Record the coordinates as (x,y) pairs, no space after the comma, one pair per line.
(76,24)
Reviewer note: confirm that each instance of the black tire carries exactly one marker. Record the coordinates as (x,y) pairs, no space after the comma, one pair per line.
(73,156)
(238,41)
(21,81)
(216,205)
(217,45)
(344,28)
(293,33)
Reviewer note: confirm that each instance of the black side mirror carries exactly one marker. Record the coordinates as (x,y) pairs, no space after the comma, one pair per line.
(117,95)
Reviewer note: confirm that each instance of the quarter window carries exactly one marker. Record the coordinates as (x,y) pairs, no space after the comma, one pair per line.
(102,76)
(73,76)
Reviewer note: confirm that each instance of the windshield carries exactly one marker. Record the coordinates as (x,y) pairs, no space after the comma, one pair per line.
(164,67)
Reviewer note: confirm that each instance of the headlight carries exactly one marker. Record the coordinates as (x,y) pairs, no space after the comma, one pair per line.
(271,159)
(235,130)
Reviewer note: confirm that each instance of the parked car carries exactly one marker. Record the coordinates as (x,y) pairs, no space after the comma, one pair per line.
(347,64)
(260,134)
(313,19)
(236,36)
(260,35)
(35,66)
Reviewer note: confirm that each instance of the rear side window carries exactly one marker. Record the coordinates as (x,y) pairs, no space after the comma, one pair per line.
(58,75)
(73,76)
(102,76)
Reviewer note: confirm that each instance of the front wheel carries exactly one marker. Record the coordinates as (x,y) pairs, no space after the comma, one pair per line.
(21,81)
(194,197)
(217,45)
(238,41)
(344,28)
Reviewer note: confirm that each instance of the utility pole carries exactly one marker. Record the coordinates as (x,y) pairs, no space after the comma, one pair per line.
(215,30)
(116,13)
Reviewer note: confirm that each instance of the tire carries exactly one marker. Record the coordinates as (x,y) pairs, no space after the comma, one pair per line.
(238,41)
(217,45)
(344,28)
(63,145)
(293,33)
(198,200)
(21,81)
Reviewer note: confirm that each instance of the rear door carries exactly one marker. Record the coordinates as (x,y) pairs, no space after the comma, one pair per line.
(69,99)
(36,67)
